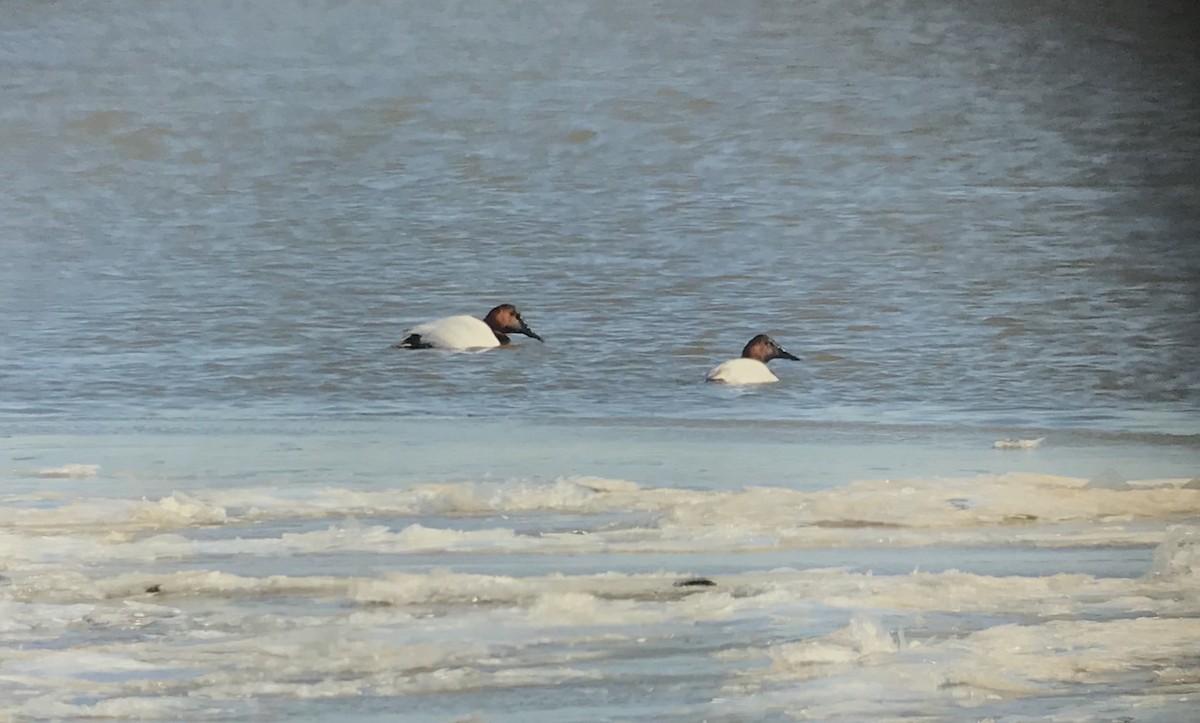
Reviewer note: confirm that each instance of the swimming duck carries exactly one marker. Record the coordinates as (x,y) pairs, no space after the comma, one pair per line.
(467,332)
(751,367)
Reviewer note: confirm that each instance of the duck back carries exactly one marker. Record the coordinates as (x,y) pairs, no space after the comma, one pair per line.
(742,371)
(452,332)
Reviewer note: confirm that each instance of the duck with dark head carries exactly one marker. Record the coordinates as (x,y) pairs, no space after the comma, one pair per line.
(751,366)
(462,333)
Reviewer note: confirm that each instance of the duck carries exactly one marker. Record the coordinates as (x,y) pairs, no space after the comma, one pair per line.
(751,366)
(467,332)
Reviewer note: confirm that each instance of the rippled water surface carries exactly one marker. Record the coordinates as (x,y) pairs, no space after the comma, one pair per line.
(224,497)
(950,211)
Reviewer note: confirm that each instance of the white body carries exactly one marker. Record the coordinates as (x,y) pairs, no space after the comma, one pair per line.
(742,371)
(456,332)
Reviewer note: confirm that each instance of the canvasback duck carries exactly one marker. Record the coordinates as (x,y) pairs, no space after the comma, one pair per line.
(467,332)
(751,367)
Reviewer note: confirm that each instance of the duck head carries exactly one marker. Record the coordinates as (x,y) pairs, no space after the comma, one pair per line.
(505,319)
(764,349)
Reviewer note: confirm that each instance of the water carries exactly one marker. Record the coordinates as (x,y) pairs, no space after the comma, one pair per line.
(224,497)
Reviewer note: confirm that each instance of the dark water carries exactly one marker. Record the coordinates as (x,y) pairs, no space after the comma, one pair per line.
(953,212)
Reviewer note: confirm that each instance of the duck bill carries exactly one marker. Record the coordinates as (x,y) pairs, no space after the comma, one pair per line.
(530,333)
(785,354)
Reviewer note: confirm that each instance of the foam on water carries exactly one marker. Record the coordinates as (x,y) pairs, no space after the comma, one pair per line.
(804,643)
(190,605)
(863,670)
(67,471)
(1025,508)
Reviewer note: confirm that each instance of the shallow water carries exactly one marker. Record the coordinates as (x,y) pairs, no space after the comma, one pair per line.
(222,496)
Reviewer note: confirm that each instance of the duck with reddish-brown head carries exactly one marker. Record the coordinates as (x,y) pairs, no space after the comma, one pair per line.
(751,366)
(463,333)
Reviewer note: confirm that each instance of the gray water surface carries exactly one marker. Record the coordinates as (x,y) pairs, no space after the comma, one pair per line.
(953,212)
